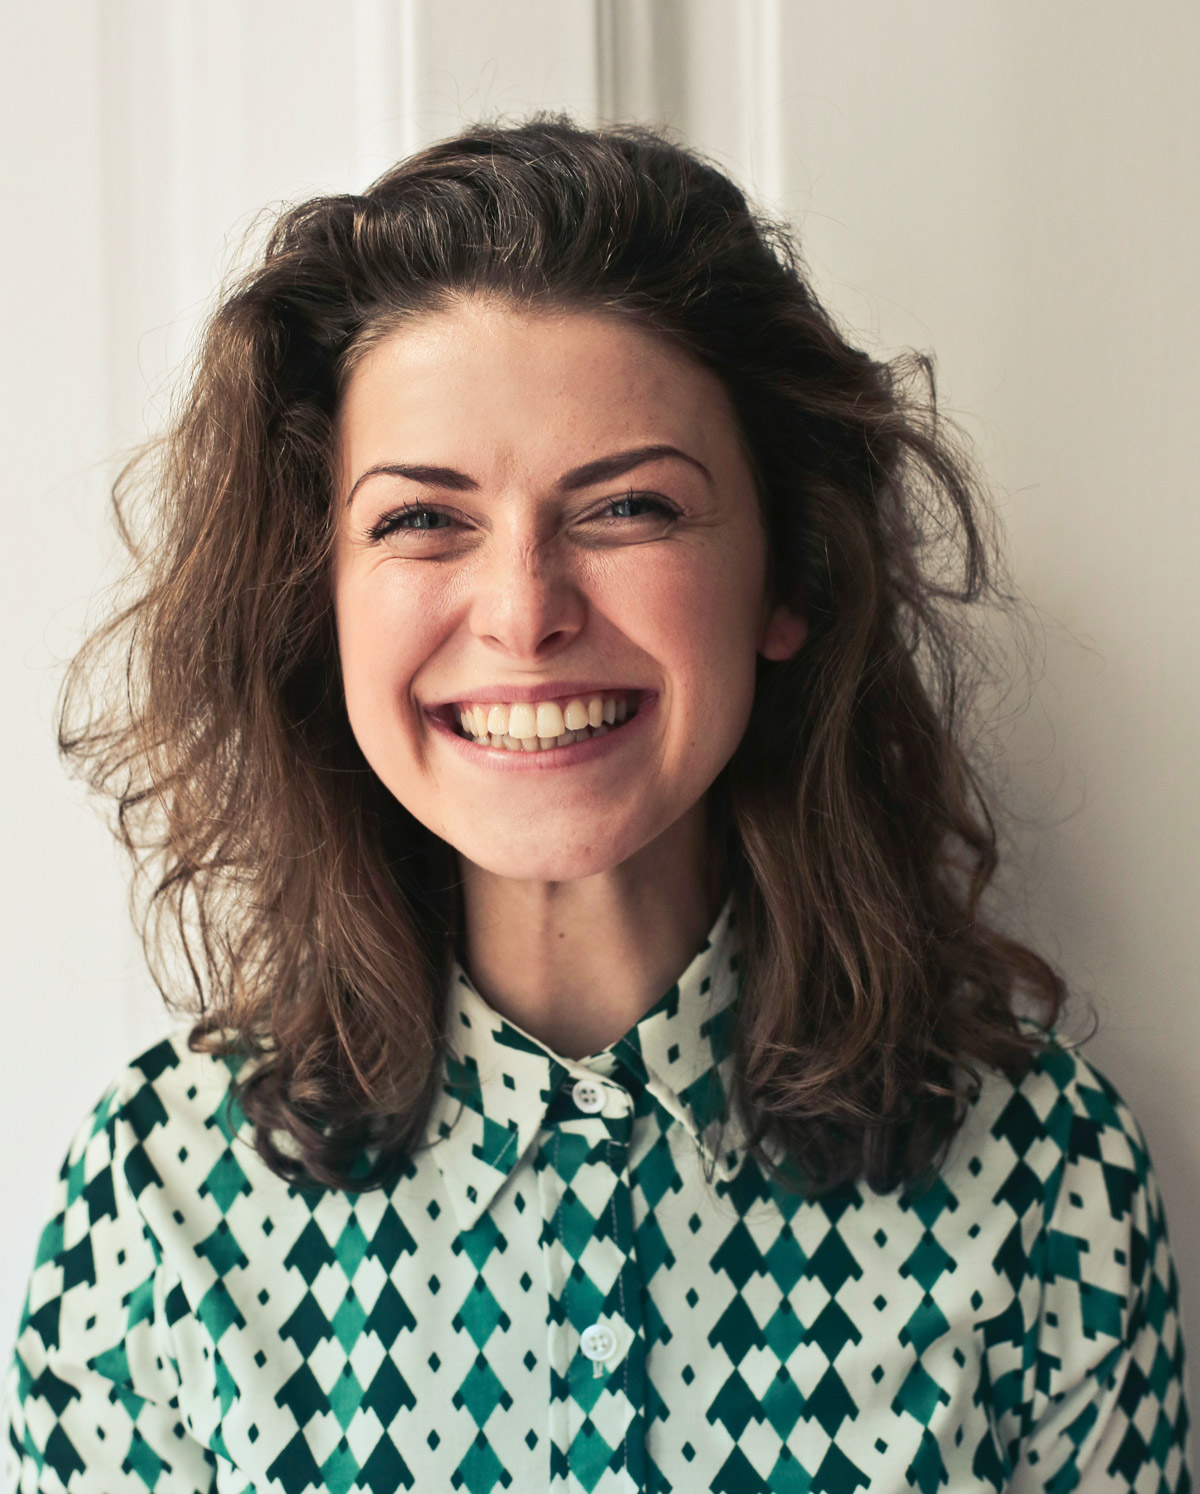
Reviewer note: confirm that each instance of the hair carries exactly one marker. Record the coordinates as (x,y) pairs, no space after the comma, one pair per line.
(317,918)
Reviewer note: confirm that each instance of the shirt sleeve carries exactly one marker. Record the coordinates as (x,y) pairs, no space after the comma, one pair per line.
(91,1397)
(1105,1360)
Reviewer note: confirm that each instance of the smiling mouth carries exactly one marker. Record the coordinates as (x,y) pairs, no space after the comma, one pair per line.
(543,725)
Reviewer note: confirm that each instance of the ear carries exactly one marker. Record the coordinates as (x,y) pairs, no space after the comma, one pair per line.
(783,634)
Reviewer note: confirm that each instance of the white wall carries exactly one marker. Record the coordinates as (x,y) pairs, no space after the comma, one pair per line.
(1010,184)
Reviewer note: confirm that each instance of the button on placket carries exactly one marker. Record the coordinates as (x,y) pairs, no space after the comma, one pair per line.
(596,1347)
(588,1096)
(599,1344)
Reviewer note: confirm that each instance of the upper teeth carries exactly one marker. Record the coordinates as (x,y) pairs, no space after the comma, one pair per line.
(541,723)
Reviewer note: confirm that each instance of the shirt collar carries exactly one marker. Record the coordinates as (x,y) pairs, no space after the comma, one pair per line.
(497,1080)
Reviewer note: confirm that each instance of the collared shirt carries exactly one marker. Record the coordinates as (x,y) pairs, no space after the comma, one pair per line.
(583,1283)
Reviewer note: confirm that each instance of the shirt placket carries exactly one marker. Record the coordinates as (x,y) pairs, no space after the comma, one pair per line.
(597,1347)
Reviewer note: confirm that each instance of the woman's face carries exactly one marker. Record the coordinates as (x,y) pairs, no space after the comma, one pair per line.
(539,511)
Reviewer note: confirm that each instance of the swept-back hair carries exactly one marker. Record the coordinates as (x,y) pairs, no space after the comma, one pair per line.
(317,918)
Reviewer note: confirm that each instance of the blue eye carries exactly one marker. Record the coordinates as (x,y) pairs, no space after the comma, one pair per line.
(653,505)
(421,519)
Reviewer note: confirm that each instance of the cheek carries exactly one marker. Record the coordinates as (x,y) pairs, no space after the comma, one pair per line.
(701,622)
(381,638)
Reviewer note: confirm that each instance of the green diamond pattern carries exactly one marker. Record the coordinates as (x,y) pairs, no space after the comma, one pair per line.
(1011,1320)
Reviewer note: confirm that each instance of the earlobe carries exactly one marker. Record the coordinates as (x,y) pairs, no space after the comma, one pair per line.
(783,634)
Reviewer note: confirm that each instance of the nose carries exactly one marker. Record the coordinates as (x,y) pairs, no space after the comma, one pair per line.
(527,602)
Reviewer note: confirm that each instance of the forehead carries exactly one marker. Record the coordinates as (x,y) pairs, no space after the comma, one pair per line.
(530,392)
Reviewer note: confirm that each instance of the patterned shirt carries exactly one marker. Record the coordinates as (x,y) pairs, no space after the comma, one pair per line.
(582,1285)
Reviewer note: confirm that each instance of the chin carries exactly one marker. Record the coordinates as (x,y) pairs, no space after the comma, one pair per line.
(544,868)
(549,863)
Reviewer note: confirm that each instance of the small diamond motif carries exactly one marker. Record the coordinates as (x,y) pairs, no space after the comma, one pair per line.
(583,1282)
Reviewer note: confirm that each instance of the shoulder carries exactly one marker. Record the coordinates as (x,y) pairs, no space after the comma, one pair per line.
(159,1122)
(1062,1099)
(168,1084)
(1061,1138)
(169,1117)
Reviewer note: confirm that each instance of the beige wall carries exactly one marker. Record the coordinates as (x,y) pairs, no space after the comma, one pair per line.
(1007,183)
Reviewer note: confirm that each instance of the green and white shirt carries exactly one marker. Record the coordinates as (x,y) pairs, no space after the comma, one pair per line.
(571,1289)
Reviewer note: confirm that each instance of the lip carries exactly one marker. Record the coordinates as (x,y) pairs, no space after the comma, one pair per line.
(552,759)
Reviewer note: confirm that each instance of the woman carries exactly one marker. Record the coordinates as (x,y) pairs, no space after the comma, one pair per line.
(542,726)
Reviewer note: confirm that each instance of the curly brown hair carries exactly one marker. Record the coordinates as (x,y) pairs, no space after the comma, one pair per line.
(318,919)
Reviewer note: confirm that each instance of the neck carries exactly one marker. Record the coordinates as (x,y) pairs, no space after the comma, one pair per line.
(577,964)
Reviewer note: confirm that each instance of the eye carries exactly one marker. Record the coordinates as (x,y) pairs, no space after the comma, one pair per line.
(412,516)
(637,506)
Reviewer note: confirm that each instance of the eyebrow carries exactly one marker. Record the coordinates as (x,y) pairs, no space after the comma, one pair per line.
(601,470)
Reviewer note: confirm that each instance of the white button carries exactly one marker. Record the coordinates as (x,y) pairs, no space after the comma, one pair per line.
(598,1342)
(588,1096)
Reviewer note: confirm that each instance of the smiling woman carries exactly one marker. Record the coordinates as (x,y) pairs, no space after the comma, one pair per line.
(531,571)
(541,721)
(520,571)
